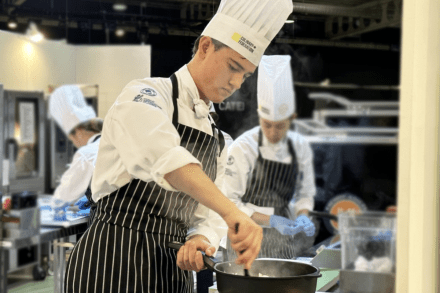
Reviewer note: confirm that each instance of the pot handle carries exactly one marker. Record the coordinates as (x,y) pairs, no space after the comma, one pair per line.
(316,274)
(323,215)
(209,261)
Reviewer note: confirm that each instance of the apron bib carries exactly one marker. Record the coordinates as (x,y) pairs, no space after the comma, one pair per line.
(272,185)
(125,247)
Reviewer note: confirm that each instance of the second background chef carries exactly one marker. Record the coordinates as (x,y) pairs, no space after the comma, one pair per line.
(271,165)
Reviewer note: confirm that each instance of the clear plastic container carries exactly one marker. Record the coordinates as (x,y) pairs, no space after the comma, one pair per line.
(368,241)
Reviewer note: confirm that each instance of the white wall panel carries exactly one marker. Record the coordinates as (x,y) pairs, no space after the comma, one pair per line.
(111,67)
(33,66)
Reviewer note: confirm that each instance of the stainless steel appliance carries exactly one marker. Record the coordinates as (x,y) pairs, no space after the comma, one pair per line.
(60,149)
(23,118)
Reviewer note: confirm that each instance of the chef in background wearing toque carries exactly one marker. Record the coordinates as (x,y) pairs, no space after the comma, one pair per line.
(158,160)
(78,121)
(270,165)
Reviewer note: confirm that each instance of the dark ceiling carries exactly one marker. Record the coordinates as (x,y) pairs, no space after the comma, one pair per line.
(346,23)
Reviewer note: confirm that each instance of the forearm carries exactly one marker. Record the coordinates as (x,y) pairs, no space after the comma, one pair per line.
(191,180)
(261,219)
(302,212)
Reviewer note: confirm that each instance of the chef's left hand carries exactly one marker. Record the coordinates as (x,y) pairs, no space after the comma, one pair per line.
(189,256)
(307,225)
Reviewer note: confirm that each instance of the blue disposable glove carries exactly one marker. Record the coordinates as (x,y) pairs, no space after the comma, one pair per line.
(284,226)
(83,203)
(383,236)
(307,226)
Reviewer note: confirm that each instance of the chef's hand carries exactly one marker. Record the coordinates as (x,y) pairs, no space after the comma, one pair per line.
(306,225)
(284,226)
(288,227)
(189,256)
(247,240)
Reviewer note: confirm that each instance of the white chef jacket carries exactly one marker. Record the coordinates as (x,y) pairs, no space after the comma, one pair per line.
(242,156)
(77,177)
(139,141)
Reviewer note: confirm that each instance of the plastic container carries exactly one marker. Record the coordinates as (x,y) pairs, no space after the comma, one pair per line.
(368,241)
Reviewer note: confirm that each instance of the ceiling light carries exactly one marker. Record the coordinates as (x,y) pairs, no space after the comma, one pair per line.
(12,23)
(33,33)
(119,32)
(119,6)
(290,21)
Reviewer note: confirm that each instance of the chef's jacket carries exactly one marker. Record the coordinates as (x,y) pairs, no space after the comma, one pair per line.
(139,141)
(77,177)
(242,156)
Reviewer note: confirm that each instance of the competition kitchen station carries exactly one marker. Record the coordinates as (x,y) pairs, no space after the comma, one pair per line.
(284,114)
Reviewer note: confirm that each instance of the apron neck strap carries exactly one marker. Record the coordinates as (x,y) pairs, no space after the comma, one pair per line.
(289,145)
(175,86)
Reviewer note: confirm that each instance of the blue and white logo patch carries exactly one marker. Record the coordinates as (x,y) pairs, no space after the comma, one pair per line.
(139,98)
(149,92)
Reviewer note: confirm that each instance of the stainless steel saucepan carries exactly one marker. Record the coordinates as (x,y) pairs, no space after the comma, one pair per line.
(266,275)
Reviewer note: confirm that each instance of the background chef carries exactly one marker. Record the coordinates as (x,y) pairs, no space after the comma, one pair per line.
(78,121)
(271,165)
(158,159)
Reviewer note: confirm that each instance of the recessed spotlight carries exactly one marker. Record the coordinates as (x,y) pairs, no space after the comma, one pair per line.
(120,32)
(33,33)
(119,6)
(12,23)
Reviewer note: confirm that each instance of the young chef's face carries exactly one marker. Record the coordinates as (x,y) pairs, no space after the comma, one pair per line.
(224,72)
(275,131)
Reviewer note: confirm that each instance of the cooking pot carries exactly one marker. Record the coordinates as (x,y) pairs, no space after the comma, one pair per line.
(266,275)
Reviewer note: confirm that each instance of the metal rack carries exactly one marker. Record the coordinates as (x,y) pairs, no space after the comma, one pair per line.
(317,130)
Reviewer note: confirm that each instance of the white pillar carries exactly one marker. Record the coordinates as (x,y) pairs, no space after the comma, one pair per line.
(418,170)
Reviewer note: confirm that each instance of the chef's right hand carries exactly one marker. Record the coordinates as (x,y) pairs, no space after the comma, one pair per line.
(247,240)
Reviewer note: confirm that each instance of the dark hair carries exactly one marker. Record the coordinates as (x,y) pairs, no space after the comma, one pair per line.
(217,45)
(93,125)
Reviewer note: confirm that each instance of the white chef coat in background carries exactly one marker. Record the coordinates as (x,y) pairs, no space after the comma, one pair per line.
(243,154)
(77,177)
(141,142)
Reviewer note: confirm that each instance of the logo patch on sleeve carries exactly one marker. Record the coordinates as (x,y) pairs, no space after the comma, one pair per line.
(139,98)
(229,172)
(149,92)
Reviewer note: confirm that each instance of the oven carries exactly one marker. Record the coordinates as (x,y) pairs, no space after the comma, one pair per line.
(23,119)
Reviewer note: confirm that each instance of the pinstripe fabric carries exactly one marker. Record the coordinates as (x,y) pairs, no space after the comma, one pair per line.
(272,185)
(124,250)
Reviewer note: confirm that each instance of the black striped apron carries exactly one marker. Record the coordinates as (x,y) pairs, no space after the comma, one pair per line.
(124,250)
(272,185)
(88,194)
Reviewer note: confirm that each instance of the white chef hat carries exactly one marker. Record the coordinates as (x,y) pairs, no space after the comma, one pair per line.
(276,97)
(248,26)
(69,108)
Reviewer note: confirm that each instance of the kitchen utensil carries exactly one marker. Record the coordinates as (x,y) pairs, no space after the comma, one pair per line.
(268,275)
(246,271)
